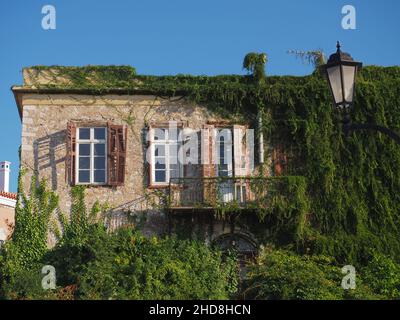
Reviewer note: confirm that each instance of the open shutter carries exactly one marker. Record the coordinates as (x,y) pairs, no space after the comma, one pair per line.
(70,155)
(208,151)
(239,151)
(149,134)
(243,153)
(279,160)
(117,142)
(208,163)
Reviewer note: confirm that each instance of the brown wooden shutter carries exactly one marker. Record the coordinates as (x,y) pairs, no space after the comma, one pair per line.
(279,160)
(208,164)
(208,151)
(117,142)
(240,154)
(149,136)
(70,156)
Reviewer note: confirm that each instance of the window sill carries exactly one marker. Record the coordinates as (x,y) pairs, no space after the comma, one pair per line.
(158,186)
(163,186)
(91,185)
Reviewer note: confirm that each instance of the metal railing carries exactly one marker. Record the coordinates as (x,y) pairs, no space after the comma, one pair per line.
(244,192)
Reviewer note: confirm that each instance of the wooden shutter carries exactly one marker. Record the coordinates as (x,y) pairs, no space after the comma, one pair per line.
(117,142)
(208,163)
(279,160)
(148,166)
(240,160)
(208,151)
(70,155)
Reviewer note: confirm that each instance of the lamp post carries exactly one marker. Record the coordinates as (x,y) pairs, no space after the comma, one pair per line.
(341,71)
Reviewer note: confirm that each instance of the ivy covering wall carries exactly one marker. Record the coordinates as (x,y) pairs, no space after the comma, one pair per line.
(352,183)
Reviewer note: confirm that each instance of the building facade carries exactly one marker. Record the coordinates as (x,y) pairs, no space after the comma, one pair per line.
(160,162)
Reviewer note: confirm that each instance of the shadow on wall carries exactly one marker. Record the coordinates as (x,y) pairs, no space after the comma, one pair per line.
(45,152)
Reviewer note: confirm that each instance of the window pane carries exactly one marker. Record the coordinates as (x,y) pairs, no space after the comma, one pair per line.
(84,133)
(84,149)
(173,153)
(160,175)
(84,163)
(160,164)
(159,151)
(159,134)
(84,176)
(99,176)
(223,170)
(174,173)
(223,174)
(100,162)
(99,149)
(99,133)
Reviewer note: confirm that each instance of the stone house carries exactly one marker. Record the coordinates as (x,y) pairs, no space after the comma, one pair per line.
(160,162)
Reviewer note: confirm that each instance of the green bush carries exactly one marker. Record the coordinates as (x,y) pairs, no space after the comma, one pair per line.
(383,275)
(280,274)
(140,268)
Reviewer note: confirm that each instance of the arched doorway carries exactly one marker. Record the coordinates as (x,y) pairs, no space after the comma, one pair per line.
(243,244)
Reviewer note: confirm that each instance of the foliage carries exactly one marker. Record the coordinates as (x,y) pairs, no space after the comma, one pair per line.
(280,274)
(255,64)
(142,268)
(92,263)
(316,58)
(20,257)
(383,275)
(29,240)
(126,265)
(279,202)
(72,250)
(87,77)
(80,221)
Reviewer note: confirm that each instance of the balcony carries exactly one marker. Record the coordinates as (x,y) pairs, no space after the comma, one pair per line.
(236,193)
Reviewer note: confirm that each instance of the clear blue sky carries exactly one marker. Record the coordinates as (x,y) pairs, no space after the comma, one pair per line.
(182,36)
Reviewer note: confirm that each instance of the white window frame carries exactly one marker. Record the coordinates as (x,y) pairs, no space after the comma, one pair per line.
(166,143)
(92,142)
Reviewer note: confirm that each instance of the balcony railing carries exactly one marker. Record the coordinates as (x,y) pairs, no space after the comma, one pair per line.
(210,193)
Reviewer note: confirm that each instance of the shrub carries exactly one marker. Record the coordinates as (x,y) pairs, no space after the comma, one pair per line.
(142,268)
(383,275)
(280,274)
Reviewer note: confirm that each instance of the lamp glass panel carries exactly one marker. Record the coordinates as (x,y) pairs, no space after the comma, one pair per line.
(349,80)
(336,83)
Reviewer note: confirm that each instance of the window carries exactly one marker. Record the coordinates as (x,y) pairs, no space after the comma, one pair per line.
(224,152)
(91,160)
(165,160)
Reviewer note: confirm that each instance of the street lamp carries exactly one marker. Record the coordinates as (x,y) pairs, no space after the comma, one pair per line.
(341,71)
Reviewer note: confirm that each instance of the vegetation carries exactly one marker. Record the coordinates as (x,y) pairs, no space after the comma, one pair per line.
(255,63)
(92,263)
(284,275)
(316,58)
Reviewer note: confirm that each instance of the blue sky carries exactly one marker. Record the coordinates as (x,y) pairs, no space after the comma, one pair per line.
(182,36)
